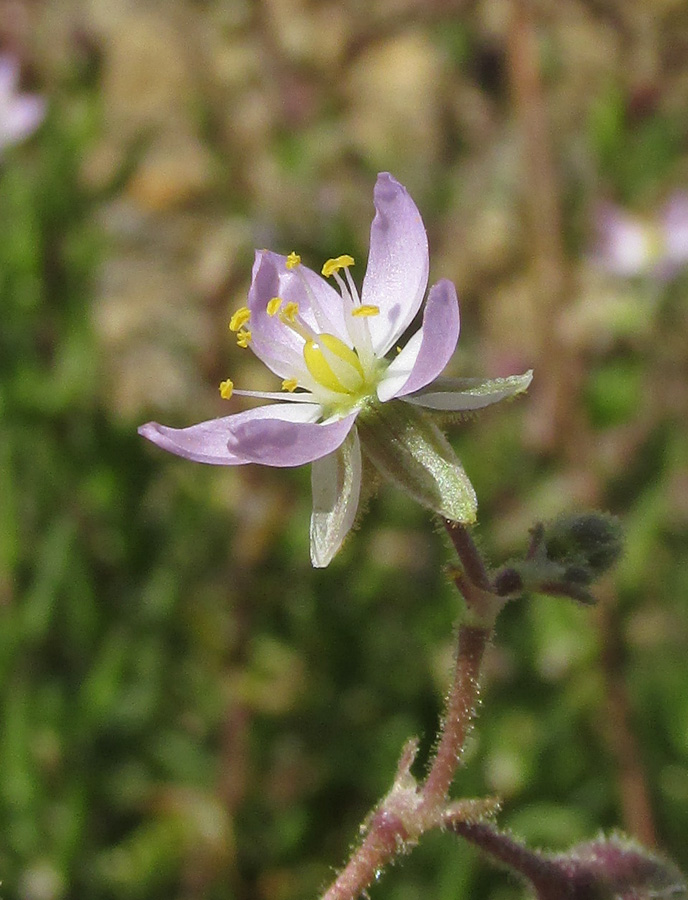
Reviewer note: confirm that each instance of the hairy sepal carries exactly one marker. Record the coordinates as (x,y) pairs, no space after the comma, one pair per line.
(407,448)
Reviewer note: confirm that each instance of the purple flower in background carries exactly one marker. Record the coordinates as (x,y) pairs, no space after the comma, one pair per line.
(341,393)
(628,245)
(20,114)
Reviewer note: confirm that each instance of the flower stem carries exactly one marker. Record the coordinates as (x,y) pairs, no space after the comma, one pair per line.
(409,809)
(471,560)
(378,848)
(459,713)
(507,850)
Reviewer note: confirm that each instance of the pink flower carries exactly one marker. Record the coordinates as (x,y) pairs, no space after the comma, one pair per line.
(629,245)
(341,393)
(20,114)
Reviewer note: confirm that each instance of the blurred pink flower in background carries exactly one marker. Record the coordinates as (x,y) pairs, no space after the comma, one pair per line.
(20,114)
(629,245)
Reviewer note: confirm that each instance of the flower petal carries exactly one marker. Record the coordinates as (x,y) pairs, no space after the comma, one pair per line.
(675,223)
(464,394)
(22,117)
(272,342)
(397,273)
(429,350)
(625,244)
(9,74)
(320,307)
(336,483)
(207,442)
(277,442)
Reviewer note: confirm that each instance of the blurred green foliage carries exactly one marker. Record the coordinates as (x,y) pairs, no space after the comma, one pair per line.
(187,708)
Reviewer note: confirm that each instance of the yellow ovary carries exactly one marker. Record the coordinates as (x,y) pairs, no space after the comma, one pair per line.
(333,365)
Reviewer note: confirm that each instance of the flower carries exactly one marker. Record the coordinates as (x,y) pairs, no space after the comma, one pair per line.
(20,114)
(341,393)
(628,245)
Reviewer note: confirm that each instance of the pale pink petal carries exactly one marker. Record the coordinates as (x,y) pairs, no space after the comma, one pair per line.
(675,224)
(320,305)
(207,442)
(273,442)
(336,483)
(429,350)
(625,244)
(397,273)
(9,74)
(272,341)
(22,117)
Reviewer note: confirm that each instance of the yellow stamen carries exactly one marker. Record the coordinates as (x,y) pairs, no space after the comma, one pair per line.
(290,384)
(244,338)
(334,265)
(293,260)
(290,312)
(240,318)
(365,310)
(226,389)
(274,305)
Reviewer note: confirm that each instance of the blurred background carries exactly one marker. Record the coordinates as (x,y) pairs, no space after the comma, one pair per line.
(187,709)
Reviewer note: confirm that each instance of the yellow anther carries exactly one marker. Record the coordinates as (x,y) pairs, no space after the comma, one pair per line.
(290,312)
(290,384)
(293,260)
(334,265)
(274,305)
(365,310)
(244,338)
(226,389)
(240,318)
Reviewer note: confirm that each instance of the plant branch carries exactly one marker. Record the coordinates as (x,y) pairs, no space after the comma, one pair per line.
(410,809)
(471,560)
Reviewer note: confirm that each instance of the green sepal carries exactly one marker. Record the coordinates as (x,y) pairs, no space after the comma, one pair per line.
(406,447)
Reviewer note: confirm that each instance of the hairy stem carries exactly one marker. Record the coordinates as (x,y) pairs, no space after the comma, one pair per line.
(459,713)
(468,553)
(410,809)
(378,848)
(504,849)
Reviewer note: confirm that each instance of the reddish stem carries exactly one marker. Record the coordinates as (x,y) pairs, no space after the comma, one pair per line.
(387,832)
(459,713)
